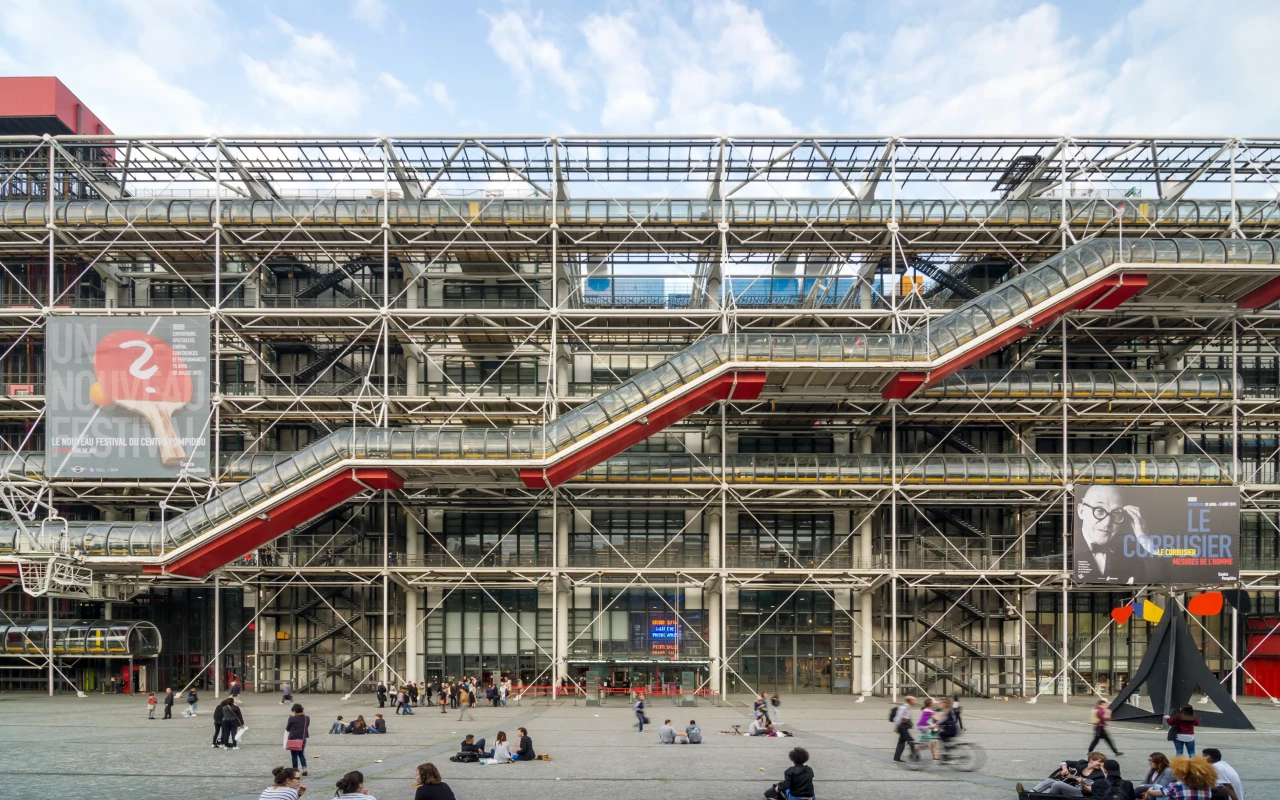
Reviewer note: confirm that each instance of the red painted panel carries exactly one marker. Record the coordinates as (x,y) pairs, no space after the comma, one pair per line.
(1263,296)
(736,386)
(904,383)
(47,97)
(292,512)
(1128,286)
(1263,674)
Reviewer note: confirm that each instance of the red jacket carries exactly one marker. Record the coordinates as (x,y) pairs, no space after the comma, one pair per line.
(1184,727)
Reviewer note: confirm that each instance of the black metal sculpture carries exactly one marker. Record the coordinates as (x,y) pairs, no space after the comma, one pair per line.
(1172,669)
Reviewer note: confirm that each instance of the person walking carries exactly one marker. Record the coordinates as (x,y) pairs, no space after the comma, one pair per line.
(1101,716)
(382,694)
(442,697)
(285,785)
(168,702)
(235,692)
(955,710)
(1184,722)
(413,694)
(901,720)
(927,727)
(429,785)
(151,705)
(193,700)
(775,708)
(286,696)
(465,704)
(639,707)
(297,729)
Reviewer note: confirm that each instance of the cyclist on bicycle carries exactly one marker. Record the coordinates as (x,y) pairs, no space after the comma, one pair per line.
(948,726)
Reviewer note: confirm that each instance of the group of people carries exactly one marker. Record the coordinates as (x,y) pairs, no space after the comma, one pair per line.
(359,727)
(939,721)
(473,750)
(462,695)
(286,784)
(1205,777)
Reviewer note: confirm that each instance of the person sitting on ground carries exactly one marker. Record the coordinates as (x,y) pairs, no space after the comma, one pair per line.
(359,727)
(667,733)
(1112,786)
(1159,775)
(1072,778)
(338,726)
(1194,778)
(693,732)
(379,724)
(351,787)
(525,751)
(501,753)
(429,784)
(1227,775)
(285,785)
(797,781)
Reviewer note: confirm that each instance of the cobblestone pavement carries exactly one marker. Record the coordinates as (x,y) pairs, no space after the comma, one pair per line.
(105,748)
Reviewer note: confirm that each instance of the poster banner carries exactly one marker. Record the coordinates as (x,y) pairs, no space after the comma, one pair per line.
(127,397)
(1156,534)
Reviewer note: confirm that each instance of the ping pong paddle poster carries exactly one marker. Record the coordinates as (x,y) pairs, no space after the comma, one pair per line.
(127,397)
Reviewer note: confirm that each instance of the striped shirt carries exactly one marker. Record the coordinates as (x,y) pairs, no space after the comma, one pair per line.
(279,793)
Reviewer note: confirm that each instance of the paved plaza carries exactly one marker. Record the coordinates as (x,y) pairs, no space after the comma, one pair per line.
(104,748)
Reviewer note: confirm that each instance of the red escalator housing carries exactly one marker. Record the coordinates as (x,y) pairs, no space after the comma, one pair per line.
(731,386)
(1107,294)
(294,511)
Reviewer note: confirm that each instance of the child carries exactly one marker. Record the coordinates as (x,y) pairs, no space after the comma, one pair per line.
(928,734)
(151,705)
(338,726)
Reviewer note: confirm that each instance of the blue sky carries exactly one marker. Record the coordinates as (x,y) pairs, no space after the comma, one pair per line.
(707,67)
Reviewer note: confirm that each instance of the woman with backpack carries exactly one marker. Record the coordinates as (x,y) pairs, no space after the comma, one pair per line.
(1182,730)
(1102,715)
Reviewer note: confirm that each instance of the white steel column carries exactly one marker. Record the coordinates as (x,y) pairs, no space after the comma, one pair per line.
(714,598)
(865,558)
(413,634)
(561,598)
(217,635)
(48,641)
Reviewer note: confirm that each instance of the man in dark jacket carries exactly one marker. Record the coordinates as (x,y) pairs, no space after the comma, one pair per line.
(218,711)
(382,695)
(797,781)
(1073,778)
(1112,786)
(168,703)
(525,752)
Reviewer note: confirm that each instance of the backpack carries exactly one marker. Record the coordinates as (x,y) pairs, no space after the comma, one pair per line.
(1114,791)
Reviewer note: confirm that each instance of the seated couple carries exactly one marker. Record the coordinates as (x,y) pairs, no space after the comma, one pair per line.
(1094,776)
(667,734)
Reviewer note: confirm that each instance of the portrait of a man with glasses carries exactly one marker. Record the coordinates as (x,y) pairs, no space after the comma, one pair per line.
(1103,519)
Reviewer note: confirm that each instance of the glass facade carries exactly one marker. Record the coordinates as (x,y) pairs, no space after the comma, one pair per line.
(781,641)
(638,538)
(490,634)
(491,539)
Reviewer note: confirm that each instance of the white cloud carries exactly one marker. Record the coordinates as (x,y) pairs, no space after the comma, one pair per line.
(970,68)
(960,75)
(531,58)
(371,12)
(616,48)
(119,69)
(311,79)
(440,93)
(737,38)
(404,97)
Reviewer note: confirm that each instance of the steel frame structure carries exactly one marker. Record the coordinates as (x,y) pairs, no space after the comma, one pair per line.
(388,281)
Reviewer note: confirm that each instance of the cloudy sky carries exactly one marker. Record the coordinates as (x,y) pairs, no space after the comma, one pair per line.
(651,66)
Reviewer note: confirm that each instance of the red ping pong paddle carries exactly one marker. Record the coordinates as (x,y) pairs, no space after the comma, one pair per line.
(141,373)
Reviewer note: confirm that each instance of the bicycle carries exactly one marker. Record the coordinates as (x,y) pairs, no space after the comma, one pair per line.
(959,756)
